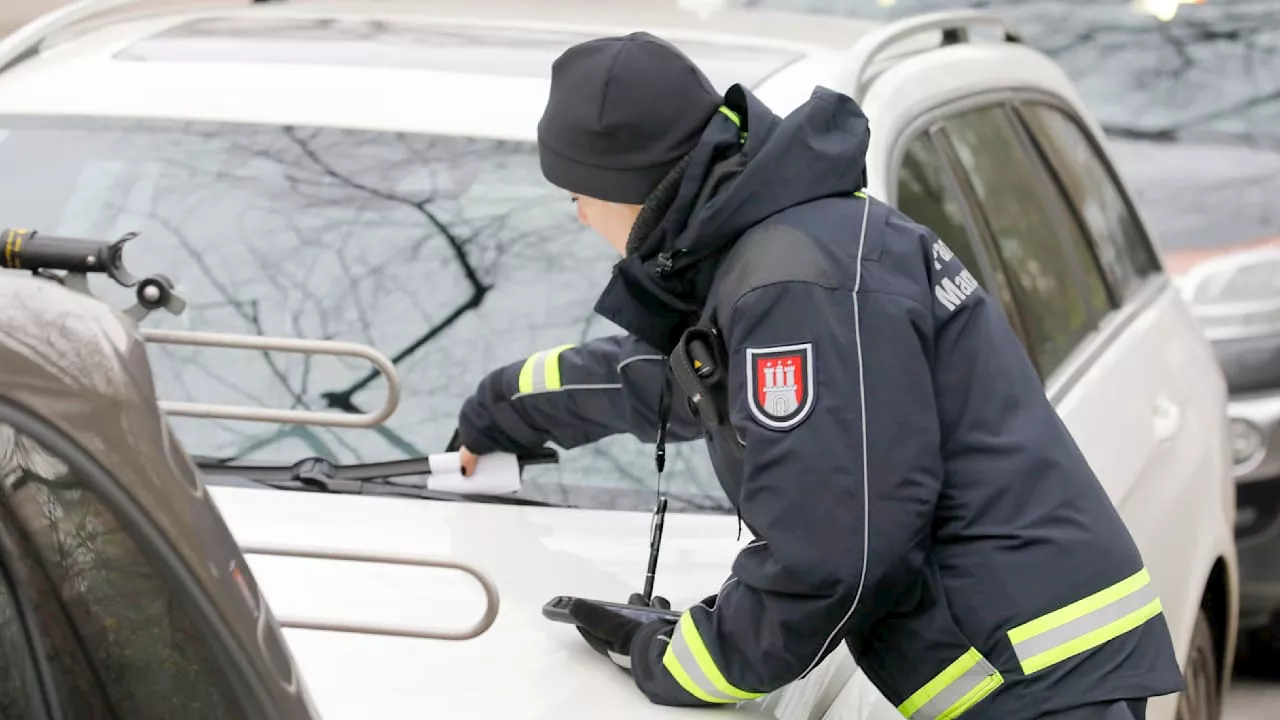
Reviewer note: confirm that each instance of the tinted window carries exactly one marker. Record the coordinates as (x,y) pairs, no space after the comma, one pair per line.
(1122,247)
(152,661)
(927,194)
(1042,249)
(19,684)
(452,255)
(924,195)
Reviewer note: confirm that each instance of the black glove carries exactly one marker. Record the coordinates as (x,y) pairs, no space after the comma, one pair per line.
(610,633)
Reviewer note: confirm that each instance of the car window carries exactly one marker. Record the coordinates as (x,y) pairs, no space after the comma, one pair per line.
(925,196)
(151,659)
(19,678)
(451,255)
(1122,247)
(928,195)
(1041,247)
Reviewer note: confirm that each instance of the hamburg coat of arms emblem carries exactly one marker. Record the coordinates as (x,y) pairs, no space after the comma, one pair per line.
(780,384)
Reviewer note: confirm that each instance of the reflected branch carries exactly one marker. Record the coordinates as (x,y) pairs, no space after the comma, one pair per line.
(342,399)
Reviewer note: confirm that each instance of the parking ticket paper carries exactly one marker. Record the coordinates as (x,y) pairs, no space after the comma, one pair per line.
(495,474)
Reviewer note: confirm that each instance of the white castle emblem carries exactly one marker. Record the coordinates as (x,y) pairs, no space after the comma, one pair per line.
(780,387)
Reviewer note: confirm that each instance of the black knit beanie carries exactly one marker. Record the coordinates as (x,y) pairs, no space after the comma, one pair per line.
(622,112)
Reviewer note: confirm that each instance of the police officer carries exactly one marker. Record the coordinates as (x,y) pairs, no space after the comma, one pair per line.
(869,412)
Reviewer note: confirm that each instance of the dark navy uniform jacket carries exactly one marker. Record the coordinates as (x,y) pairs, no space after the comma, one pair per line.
(911,490)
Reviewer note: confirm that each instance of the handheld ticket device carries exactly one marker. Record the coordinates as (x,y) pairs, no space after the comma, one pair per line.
(558,610)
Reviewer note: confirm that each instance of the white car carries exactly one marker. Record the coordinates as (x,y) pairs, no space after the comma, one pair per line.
(366,172)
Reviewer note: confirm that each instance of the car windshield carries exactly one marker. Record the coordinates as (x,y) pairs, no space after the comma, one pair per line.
(451,255)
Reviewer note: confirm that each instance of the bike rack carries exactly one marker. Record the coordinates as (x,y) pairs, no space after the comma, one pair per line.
(954,25)
(482,625)
(330,348)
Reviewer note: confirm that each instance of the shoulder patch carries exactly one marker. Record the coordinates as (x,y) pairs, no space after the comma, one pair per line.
(780,384)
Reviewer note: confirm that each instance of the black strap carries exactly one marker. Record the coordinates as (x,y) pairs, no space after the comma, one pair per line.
(664,418)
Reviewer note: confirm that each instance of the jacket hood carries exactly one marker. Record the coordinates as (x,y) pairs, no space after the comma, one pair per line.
(749,164)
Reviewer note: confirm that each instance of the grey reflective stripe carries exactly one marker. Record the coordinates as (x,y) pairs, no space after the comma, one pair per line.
(684,656)
(961,685)
(539,362)
(950,700)
(637,358)
(1076,629)
(598,386)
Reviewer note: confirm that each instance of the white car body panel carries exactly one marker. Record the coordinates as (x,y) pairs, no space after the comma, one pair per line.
(523,666)
(1177,497)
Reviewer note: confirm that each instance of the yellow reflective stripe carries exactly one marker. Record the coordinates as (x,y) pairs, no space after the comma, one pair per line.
(541,371)
(861,193)
(737,120)
(551,370)
(959,687)
(690,663)
(1086,623)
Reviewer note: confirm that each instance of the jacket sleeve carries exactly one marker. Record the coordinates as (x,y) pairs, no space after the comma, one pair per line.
(574,395)
(841,475)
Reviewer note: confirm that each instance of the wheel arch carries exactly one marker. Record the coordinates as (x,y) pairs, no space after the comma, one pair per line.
(1220,603)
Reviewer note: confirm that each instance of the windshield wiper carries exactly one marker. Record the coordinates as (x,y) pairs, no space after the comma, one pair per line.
(404,478)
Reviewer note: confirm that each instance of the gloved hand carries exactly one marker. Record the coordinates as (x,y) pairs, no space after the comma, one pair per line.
(610,633)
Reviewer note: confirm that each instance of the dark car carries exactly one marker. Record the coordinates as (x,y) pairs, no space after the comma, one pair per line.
(122,592)
(1189,94)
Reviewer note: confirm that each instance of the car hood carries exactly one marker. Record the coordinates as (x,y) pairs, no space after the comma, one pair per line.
(524,666)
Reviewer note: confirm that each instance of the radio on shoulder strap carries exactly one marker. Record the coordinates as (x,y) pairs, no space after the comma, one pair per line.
(699,364)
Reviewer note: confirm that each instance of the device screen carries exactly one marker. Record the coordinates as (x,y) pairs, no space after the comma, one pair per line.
(644,614)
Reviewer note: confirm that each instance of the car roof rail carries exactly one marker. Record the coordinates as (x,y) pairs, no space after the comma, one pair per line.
(954,25)
(27,39)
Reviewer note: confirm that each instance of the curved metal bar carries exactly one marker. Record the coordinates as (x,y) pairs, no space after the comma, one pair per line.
(279,344)
(373,628)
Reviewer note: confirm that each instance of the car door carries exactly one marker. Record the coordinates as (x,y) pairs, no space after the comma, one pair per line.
(1080,286)
(1070,261)
(1107,331)
(1178,498)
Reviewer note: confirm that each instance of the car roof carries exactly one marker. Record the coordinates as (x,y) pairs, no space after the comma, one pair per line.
(477,67)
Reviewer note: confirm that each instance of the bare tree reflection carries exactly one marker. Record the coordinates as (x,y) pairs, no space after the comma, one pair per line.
(451,254)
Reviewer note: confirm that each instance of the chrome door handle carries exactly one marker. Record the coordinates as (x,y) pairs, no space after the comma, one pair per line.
(1167,420)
